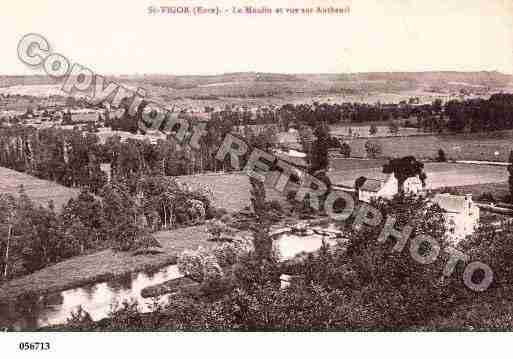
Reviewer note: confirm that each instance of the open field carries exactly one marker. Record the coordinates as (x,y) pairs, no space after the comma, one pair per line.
(104,265)
(339,163)
(40,191)
(500,190)
(231,190)
(363,130)
(473,146)
(438,174)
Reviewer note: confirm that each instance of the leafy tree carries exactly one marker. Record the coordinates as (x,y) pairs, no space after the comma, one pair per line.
(359,182)
(306,137)
(373,130)
(7,222)
(510,178)
(259,267)
(403,291)
(120,217)
(345,150)
(85,211)
(39,233)
(261,239)
(404,168)
(441,156)
(320,158)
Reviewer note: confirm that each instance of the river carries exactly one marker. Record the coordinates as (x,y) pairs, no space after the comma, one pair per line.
(98,298)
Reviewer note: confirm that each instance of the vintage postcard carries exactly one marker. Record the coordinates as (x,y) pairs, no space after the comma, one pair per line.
(249,166)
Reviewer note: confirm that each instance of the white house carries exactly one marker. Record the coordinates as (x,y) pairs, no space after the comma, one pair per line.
(460,212)
(388,188)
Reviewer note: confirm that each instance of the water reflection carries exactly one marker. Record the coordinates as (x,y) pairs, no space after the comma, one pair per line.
(290,245)
(34,312)
(96,299)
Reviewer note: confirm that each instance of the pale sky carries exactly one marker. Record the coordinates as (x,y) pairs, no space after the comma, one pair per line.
(120,37)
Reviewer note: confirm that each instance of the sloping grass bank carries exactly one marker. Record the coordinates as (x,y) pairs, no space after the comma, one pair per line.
(103,265)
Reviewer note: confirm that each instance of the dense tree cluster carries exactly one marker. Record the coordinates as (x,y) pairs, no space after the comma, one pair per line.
(33,237)
(69,157)
(334,113)
(477,115)
(363,285)
(73,157)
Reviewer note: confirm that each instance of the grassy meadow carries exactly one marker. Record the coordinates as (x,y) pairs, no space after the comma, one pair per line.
(40,191)
(493,146)
(230,190)
(438,174)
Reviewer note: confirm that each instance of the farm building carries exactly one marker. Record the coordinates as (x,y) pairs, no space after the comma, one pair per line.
(293,157)
(84,117)
(289,139)
(378,188)
(460,212)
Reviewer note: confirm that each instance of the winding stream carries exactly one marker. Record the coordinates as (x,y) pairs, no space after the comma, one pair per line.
(97,299)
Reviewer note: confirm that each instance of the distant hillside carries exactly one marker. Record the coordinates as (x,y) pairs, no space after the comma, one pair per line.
(484,78)
(192,81)
(6,81)
(252,87)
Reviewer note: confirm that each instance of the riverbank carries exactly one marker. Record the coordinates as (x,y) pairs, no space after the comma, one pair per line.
(104,265)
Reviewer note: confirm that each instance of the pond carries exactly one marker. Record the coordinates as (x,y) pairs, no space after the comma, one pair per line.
(97,299)
(290,245)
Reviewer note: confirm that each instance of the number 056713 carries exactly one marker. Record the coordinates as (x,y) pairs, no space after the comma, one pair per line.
(32,346)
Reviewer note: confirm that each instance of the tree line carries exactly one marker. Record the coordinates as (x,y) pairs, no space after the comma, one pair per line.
(477,115)
(73,158)
(32,236)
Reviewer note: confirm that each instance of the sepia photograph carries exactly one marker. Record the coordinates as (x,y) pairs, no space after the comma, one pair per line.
(202,166)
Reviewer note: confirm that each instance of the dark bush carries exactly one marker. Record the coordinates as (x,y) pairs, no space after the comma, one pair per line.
(441,156)
(216,213)
(486,197)
(345,150)
(275,205)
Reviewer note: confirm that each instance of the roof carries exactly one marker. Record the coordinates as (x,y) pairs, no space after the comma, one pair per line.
(450,203)
(372,185)
(287,137)
(84,117)
(293,160)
